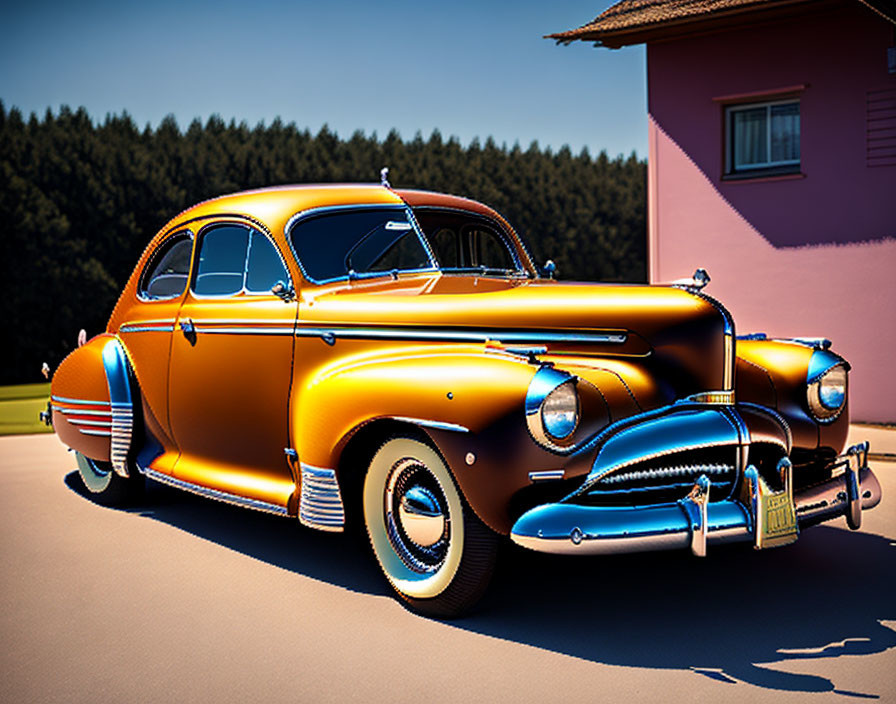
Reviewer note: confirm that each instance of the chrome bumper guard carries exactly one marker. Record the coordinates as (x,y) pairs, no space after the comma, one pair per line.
(765,517)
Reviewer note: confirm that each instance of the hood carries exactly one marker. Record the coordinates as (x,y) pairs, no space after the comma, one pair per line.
(686,338)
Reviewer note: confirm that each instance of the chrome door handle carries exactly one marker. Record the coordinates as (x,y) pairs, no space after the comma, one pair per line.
(189,331)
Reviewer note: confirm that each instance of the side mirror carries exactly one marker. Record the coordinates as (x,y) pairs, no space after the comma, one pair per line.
(284,291)
(549,269)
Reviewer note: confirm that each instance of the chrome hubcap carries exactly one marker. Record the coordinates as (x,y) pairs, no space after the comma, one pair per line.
(421,516)
(417,519)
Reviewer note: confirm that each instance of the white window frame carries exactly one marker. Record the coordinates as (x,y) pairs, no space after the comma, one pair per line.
(730,169)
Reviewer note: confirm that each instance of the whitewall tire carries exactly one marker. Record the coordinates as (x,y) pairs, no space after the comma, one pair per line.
(431,547)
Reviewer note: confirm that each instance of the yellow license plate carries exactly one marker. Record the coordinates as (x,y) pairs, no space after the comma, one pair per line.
(777,520)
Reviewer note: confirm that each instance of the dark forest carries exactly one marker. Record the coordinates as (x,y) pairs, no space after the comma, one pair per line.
(80,200)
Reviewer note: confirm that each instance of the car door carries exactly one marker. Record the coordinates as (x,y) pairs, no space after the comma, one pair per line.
(230,371)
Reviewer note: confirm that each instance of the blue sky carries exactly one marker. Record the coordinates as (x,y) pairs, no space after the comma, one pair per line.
(466,68)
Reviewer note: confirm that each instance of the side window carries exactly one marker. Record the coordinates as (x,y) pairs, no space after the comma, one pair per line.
(166,274)
(236,259)
(466,242)
(487,249)
(446,246)
(222,261)
(357,242)
(264,268)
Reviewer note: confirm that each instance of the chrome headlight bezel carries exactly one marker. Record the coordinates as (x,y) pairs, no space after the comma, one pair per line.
(553,409)
(826,395)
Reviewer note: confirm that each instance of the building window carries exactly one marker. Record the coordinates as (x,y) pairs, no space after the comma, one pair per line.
(763,139)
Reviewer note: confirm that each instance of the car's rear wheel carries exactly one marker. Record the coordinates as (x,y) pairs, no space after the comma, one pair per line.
(108,488)
(430,545)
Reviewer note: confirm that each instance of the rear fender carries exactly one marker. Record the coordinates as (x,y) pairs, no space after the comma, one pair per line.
(92,405)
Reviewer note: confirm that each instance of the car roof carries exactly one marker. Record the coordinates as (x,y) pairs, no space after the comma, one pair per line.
(275,205)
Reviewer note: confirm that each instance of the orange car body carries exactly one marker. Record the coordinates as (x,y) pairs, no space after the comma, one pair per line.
(276,401)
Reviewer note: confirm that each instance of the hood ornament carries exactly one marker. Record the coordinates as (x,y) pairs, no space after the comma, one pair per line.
(697,282)
(384,180)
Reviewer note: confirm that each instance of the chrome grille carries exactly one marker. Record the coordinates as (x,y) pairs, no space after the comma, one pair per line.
(690,471)
(666,479)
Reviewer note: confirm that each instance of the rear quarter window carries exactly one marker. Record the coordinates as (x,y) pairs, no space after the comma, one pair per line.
(168,270)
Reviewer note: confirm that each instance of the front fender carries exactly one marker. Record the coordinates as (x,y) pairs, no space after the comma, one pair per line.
(468,401)
(775,373)
(468,389)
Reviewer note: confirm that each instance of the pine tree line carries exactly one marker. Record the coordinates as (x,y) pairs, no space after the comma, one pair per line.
(79,202)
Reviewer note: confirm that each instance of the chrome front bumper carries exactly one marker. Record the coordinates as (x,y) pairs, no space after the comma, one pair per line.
(694,522)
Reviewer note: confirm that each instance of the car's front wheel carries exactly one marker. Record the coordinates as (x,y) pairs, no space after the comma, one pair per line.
(105,486)
(432,548)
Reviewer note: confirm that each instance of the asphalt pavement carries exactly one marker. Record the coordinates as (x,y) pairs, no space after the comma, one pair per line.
(186,599)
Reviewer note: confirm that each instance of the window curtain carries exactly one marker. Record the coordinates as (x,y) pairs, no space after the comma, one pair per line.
(785,126)
(750,137)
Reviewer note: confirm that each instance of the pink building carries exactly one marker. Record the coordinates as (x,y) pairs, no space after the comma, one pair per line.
(772,164)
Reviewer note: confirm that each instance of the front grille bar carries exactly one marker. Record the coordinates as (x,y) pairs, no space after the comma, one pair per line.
(668,473)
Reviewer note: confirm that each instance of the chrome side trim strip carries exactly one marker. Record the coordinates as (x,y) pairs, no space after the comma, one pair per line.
(94,423)
(78,401)
(547,475)
(200,328)
(101,433)
(157,321)
(320,503)
(414,333)
(247,322)
(437,424)
(163,325)
(145,328)
(76,412)
(460,335)
(215,494)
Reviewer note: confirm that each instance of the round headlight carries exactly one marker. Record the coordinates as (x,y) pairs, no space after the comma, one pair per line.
(827,395)
(560,411)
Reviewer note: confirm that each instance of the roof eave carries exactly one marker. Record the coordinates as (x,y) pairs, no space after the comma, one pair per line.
(657,31)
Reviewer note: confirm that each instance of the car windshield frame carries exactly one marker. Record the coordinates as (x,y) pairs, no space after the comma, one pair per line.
(313,213)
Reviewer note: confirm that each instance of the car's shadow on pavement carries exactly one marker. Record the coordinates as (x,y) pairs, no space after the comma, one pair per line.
(721,616)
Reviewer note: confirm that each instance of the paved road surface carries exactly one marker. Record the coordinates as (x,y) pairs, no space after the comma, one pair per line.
(192,600)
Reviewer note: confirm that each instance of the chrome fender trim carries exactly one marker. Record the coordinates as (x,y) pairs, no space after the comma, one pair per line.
(115,363)
(320,503)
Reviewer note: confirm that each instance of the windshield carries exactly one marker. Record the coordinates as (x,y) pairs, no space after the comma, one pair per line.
(356,243)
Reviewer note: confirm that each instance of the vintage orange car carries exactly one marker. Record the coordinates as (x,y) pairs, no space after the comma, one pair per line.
(358,355)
